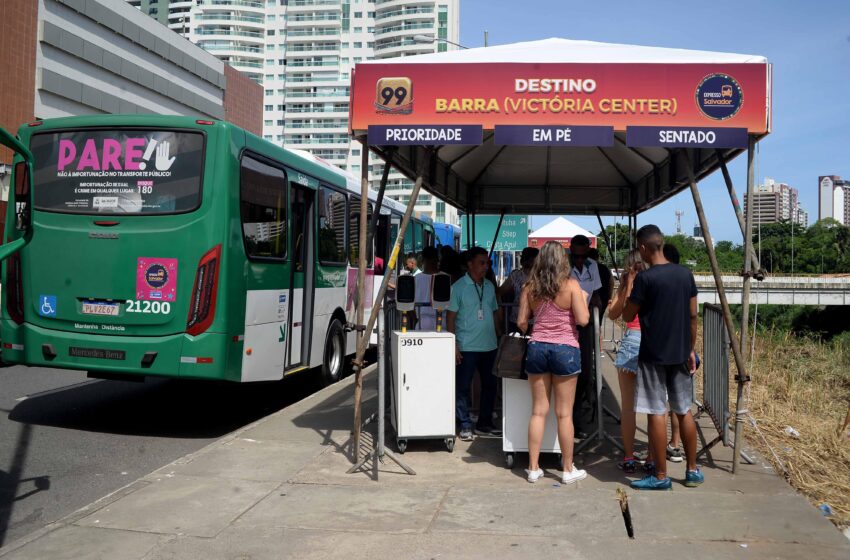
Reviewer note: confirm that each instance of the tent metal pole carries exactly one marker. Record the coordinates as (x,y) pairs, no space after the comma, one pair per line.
(748,244)
(361,295)
(742,377)
(376,212)
(363,341)
(474,240)
(756,266)
(496,237)
(611,256)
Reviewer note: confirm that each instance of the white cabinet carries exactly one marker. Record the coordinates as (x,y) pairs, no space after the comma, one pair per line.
(423,386)
(516,411)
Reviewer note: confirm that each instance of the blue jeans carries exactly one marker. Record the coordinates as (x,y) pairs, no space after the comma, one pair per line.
(464,372)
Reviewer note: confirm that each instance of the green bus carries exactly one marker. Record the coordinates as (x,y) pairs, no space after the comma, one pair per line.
(153,245)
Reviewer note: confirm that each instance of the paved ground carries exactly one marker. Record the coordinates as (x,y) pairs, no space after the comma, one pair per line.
(278,489)
(66,440)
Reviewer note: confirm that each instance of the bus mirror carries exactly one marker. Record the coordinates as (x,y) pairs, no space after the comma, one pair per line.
(23,181)
(441,291)
(405,292)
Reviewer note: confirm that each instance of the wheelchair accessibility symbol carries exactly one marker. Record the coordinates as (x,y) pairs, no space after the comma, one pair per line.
(47,306)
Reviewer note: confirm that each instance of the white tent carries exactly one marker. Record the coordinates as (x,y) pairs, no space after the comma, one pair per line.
(567,127)
(561,230)
(559,50)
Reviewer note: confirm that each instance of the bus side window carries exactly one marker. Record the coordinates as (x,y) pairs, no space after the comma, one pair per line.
(22,196)
(354,233)
(332,214)
(417,237)
(263,209)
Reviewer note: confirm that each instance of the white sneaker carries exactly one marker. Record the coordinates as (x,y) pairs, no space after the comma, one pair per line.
(574,475)
(534,475)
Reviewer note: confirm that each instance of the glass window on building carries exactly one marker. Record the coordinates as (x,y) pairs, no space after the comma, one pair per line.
(441,211)
(358,45)
(268,108)
(358,14)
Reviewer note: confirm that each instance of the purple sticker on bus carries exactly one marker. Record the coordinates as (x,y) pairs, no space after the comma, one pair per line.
(156,279)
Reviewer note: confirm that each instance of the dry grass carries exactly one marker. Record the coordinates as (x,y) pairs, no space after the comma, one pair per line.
(804,384)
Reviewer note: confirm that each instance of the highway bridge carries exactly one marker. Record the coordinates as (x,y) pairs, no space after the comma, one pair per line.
(778,290)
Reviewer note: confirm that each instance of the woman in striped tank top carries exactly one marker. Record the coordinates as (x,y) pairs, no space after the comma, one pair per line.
(627,358)
(558,304)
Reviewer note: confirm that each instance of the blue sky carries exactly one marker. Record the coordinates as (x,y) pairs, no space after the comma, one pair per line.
(808,44)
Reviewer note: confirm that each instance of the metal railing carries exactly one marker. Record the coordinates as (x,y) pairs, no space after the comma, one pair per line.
(715,363)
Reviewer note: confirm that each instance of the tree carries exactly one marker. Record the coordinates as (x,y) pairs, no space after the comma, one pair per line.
(621,233)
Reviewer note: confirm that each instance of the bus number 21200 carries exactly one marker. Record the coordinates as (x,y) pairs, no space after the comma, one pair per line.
(157,307)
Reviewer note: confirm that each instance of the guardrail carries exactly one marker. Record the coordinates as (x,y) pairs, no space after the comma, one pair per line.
(715,363)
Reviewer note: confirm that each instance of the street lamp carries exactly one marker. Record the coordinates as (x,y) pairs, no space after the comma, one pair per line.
(432,39)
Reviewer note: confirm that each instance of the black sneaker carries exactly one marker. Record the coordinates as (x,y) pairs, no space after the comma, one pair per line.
(488,431)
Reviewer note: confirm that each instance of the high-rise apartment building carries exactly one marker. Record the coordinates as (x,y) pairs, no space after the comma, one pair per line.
(777,202)
(303,52)
(834,198)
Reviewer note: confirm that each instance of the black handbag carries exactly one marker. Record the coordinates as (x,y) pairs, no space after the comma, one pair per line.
(510,359)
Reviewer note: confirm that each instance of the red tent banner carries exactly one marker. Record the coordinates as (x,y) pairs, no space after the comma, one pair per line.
(618,95)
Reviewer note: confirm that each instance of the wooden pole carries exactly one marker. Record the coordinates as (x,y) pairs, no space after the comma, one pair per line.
(748,244)
(727,314)
(733,196)
(363,341)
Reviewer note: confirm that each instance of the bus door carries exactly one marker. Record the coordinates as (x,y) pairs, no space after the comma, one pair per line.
(302,277)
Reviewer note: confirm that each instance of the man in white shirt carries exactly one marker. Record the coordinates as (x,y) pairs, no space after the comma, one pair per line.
(427,315)
(586,271)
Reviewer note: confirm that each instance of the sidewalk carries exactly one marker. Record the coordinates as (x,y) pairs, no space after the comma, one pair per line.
(278,489)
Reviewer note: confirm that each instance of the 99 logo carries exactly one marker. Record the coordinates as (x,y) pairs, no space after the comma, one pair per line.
(394,95)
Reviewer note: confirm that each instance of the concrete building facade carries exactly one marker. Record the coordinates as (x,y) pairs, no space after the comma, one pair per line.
(777,202)
(834,198)
(303,52)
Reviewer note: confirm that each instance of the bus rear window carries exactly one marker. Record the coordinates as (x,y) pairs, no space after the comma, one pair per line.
(122,171)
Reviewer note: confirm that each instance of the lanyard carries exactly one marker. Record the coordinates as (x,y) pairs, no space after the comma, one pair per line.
(479,292)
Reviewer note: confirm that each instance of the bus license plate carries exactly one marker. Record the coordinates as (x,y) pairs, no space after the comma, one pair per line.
(98,308)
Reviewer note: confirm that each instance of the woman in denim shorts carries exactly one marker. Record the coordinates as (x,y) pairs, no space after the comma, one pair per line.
(627,358)
(557,303)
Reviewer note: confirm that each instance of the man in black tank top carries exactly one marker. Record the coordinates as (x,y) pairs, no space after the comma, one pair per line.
(665,294)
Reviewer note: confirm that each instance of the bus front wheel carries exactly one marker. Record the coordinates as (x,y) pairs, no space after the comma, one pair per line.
(333,363)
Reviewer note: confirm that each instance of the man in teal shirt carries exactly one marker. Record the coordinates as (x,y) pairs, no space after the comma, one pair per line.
(473,316)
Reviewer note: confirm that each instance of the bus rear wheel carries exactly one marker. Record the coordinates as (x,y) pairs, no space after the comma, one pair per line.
(333,363)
